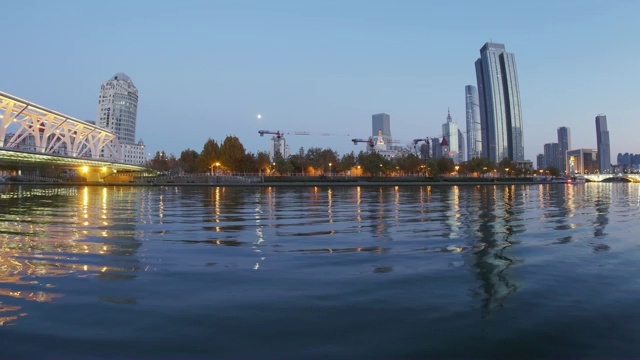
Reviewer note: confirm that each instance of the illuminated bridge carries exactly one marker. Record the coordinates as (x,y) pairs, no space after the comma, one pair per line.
(613,177)
(32,135)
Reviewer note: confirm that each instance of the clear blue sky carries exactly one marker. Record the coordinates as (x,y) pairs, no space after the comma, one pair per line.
(205,69)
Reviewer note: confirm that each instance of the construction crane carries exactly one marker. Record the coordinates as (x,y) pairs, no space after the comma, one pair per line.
(369,142)
(278,134)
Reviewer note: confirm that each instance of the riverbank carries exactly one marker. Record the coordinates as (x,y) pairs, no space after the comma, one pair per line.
(328,183)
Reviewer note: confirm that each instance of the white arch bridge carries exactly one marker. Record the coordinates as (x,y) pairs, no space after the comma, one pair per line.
(612,177)
(31,134)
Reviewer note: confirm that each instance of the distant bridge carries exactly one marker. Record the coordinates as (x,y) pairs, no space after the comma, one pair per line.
(613,177)
(33,135)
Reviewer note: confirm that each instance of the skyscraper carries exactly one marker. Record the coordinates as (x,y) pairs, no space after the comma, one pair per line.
(117,112)
(604,148)
(381,122)
(499,95)
(450,132)
(461,147)
(474,133)
(564,140)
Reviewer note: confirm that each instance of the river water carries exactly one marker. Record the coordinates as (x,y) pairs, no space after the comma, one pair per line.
(320,272)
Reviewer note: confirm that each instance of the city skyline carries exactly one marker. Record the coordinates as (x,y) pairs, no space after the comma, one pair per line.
(322,78)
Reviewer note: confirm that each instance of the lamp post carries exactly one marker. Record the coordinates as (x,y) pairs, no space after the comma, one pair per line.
(330,168)
(359,172)
(457,167)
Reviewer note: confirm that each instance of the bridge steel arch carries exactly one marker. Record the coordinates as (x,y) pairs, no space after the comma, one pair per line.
(52,132)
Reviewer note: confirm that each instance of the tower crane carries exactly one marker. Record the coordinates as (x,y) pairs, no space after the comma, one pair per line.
(369,142)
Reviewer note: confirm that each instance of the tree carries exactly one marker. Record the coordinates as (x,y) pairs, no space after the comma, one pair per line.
(409,163)
(160,161)
(188,161)
(480,165)
(262,161)
(282,165)
(348,161)
(231,153)
(209,156)
(552,170)
(505,164)
(445,165)
(374,163)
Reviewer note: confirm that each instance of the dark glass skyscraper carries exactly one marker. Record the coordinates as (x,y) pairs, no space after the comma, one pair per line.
(564,140)
(499,95)
(604,148)
(474,133)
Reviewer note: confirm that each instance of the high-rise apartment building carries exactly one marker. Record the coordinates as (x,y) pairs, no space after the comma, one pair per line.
(381,122)
(604,147)
(450,132)
(278,148)
(499,95)
(564,141)
(474,133)
(117,112)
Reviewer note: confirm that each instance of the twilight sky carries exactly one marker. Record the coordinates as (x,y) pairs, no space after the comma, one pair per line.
(205,69)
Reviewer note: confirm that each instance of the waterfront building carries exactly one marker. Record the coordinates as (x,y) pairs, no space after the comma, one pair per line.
(474,133)
(381,122)
(450,133)
(117,112)
(564,141)
(604,147)
(499,97)
(582,161)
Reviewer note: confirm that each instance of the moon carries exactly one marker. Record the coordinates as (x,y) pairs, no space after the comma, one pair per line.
(259,116)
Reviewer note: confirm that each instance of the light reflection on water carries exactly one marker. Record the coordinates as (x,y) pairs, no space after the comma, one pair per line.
(477,247)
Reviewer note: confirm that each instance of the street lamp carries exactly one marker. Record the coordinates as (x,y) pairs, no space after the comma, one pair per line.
(359,172)
(457,167)
(330,168)
(506,171)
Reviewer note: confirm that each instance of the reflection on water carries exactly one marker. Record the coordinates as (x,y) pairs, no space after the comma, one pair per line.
(210,253)
(58,232)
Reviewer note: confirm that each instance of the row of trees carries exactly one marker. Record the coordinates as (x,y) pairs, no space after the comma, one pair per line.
(230,155)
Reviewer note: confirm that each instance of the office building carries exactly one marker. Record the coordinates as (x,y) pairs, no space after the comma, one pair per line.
(604,148)
(381,122)
(564,141)
(499,97)
(117,112)
(474,133)
(450,132)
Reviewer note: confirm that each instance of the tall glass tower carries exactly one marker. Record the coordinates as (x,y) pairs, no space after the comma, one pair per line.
(604,148)
(499,95)
(564,140)
(474,134)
